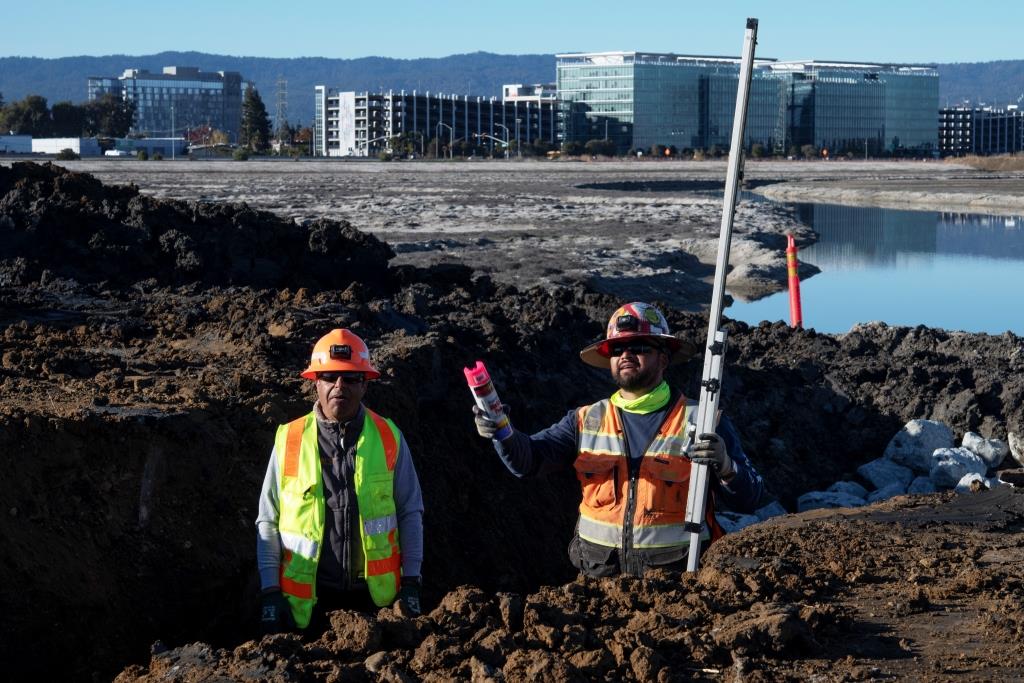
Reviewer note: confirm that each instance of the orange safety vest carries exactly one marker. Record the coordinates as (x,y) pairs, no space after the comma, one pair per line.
(657,495)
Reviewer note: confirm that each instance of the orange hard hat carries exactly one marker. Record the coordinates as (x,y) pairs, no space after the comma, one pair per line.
(639,321)
(340,350)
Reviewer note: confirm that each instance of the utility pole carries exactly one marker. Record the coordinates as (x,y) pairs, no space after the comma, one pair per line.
(172,129)
(281,112)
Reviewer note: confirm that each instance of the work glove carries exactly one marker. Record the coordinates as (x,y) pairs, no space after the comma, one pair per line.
(275,612)
(709,449)
(485,426)
(409,594)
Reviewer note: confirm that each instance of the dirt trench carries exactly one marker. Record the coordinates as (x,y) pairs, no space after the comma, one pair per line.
(140,396)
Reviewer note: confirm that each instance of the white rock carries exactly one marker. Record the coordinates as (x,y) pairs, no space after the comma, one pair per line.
(921,485)
(914,444)
(1016,447)
(731,522)
(882,471)
(952,464)
(992,451)
(887,492)
(850,487)
(964,485)
(816,500)
(772,509)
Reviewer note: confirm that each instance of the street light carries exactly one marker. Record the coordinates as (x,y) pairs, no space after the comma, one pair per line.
(451,139)
(519,148)
(508,137)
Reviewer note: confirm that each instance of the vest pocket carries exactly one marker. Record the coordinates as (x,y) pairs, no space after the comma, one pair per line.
(667,481)
(378,505)
(598,479)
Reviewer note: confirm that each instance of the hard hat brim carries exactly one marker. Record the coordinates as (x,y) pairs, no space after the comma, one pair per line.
(310,373)
(596,354)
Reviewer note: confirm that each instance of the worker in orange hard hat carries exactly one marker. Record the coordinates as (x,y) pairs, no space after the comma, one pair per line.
(630,454)
(340,521)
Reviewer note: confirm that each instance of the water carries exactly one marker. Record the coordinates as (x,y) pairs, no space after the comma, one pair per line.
(953,271)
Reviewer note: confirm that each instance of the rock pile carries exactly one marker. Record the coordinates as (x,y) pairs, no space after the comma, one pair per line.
(920,458)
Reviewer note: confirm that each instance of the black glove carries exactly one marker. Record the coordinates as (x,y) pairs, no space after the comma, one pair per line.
(485,426)
(709,449)
(410,594)
(275,612)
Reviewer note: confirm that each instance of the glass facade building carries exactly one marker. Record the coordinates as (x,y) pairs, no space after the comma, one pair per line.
(639,100)
(167,104)
(980,130)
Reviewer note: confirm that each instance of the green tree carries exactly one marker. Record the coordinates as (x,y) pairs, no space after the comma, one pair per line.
(68,120)
(29,116)
(572,148)
(600,148)
(809,151)
(109,115)
(757,150)
(255,133)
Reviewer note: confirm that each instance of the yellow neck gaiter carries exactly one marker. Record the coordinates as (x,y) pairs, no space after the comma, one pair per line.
(648,403)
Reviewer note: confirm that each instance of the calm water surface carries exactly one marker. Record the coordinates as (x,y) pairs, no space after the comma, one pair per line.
(954,271)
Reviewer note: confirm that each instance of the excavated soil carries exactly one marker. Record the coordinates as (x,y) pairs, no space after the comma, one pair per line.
(150,347)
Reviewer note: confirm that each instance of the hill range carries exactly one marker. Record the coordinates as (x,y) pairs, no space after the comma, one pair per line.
(480,73)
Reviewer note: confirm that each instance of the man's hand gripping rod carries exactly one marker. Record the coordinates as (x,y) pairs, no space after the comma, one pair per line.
(711,380)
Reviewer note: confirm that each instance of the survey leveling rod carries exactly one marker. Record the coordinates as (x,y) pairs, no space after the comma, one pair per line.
(714,355)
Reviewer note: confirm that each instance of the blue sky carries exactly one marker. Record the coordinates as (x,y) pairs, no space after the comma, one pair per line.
(876,30)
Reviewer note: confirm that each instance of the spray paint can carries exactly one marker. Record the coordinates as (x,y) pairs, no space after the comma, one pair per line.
(486,397)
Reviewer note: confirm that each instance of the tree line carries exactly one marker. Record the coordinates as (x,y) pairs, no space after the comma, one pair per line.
(107,116)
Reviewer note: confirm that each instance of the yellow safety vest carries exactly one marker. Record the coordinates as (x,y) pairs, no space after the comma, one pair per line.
(301,506)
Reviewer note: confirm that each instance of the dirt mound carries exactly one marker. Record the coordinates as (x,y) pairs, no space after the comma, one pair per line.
(136,423)
(72,226)
(777,602)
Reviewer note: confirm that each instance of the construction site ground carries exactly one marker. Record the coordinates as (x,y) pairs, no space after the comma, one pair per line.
(150,343)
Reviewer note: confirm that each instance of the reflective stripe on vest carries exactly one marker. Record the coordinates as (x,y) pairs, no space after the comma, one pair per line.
(302,508)
(602,466)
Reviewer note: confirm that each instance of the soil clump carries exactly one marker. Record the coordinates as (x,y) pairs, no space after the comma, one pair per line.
(140,398)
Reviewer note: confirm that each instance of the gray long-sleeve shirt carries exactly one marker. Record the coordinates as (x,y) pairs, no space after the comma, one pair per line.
(341,559)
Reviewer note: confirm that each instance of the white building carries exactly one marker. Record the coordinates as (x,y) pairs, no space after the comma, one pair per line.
(85,147)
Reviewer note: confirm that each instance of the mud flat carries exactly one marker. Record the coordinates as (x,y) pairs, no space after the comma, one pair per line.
(150,347)
(998,194)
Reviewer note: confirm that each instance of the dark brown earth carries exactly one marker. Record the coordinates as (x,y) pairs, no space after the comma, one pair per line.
(150,348)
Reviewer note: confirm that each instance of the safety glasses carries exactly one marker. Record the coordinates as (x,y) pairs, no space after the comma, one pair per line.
(636,348)
(346,377)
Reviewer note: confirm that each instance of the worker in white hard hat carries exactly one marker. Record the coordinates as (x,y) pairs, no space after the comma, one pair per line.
(340,520)
(630,454)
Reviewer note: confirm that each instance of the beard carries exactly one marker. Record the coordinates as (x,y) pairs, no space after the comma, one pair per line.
(639,378)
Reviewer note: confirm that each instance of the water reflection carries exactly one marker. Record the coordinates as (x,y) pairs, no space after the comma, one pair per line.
(955,271)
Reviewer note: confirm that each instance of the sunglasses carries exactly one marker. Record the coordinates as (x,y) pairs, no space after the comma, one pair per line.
(346,377)
(636,348)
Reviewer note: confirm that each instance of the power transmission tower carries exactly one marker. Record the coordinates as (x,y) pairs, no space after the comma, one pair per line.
(281,114)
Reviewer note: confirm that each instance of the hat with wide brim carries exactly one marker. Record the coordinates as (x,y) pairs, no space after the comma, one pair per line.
(597,354)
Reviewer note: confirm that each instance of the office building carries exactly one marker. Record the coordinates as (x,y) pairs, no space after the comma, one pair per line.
(84,147)
(167,104)
(980,130)
(360,124)
(640,99)
(538,92)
